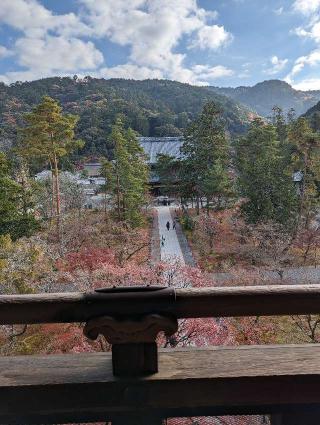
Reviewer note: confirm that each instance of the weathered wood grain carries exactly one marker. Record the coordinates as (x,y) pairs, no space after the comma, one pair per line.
(186,303)
(80,388)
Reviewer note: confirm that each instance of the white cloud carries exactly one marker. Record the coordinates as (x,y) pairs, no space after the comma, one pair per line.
(311,60)
(306,7)
(211,73)
(212,37)
(52,44)
(52,54)
(308,84)
(13,76)
(30,17)
(129,71)
(153,30)
(4,52)
(197,75)
(312,31)
(48,45)
(277,65)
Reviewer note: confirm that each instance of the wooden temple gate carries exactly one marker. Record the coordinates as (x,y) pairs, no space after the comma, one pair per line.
(136,384)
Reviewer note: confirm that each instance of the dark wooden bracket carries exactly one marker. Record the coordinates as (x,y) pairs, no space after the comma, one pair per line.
(134,347)
(133,337)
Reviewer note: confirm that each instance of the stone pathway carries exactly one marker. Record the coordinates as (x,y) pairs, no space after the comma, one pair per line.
(171,250)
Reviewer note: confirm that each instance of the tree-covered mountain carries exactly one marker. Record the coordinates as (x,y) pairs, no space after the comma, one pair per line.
(264,96)
(151,107)
(313,115)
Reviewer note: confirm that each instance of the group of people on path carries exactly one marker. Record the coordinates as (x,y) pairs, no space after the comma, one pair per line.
(173,225)
(163,239)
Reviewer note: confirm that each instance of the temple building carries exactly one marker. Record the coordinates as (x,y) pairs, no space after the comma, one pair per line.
(154,146)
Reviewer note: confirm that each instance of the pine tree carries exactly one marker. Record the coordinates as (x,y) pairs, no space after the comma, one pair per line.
(263,181)
(207,157)
(106,172)
(306,158)
(128,175)
(49,135)
(16,214)
(168,170)
(279,122)
(136,180)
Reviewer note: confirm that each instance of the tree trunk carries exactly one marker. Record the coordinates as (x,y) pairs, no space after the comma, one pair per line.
(123,209)
(52,193)
(302,191)
(57,196)
(198,205)
(24,190)
(118,197)
(306,252)
(105,204)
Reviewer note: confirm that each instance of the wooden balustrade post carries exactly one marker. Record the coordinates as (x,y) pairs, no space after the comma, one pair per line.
(276,419)
(134,351)
(138,420)
(134,347)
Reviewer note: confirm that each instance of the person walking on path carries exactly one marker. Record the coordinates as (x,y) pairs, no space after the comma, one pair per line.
(174,225)
(168,225)
(170,249)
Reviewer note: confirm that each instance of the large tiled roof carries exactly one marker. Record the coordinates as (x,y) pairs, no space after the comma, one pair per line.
(161,145)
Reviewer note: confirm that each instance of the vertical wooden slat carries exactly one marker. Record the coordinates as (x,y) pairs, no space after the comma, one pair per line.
(276,420)
(304,417)
(137,420)
(137,359)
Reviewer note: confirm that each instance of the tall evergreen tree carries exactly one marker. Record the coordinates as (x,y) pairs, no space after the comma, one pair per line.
(306,159)
(127,174)
(106,172)
(137,180)
(168,170)
(16,213)
(279,122)
(49,135)
(206,154)
(263,180)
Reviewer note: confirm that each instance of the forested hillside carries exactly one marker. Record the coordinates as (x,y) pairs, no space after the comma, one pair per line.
(151,107)
(313,116)
(264,96)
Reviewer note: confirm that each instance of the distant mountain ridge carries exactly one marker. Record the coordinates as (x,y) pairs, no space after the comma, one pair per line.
(262,97)
(151,107)
(154,108)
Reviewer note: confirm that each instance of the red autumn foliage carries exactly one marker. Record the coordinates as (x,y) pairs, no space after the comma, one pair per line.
(86,259)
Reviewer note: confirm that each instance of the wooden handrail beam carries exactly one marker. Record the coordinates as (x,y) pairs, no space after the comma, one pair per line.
(181,303)
(194,382)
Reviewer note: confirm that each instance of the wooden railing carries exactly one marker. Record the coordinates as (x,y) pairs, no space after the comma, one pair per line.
(134,384)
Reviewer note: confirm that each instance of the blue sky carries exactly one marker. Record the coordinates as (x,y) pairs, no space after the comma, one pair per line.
(223,43)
